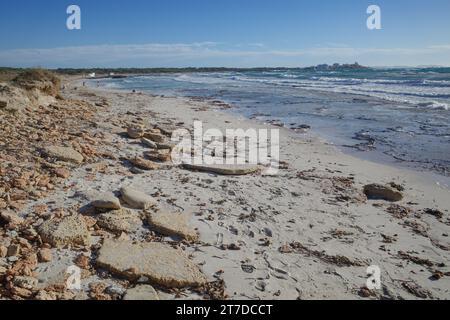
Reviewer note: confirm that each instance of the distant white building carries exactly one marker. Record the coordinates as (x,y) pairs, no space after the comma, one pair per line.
(91,75)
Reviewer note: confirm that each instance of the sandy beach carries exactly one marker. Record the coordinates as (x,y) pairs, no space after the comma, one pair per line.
(309,232)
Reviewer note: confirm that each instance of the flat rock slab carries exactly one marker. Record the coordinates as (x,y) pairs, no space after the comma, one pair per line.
(229,170)
(149,143)
(65,154)
(381,192)
(144,164)
(159,262)
(172,224)
(141,293)
(137,199)
(71,230)
(120,221)
(106,201)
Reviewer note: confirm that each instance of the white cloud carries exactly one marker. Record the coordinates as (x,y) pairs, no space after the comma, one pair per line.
(212,53)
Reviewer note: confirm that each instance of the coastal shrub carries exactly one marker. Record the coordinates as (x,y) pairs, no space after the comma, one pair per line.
(44,80)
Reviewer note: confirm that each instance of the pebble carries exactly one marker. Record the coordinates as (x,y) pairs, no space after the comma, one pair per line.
(144,164)
(106,201)
(13,250)
(45,255)
(3,251)
(11,217)
(135,132)
(149,143)
(25,282)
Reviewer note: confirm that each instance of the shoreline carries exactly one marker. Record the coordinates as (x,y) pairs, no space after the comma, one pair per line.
(377,157)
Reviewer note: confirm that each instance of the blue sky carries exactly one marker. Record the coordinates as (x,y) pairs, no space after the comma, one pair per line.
(240,33)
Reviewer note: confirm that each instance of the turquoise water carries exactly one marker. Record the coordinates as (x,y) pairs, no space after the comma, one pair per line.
(399,115)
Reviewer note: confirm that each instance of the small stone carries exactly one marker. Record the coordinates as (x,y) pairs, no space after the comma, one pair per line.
(3,271)
(3,251)
(11,217)
(13,250)
(43,295)
(25,282)
(159,138)
(65,154)
(380,192)
(115,290)
(82,261)
(149,143)
(120,221)
(144,164)
(106,201)
(45,255)
(135,132)
(159,155)
(71,230)
(165,146)
(21,292)
(141,293)
(136,199)
(172,224)
(3,104)
(62,173)
(160,263)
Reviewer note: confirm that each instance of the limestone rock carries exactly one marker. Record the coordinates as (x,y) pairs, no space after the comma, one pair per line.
(159,262)
(120,221)
(155,137)
(172,224)
(13,250)
(144,164)
(45,255)
(381,192)
(232,170)
(165,146)
(159,155)
(3,271)
(65,154)
(141,293)
(25,282)
(62,173)
(135,132)
(149,143)
(137,199)
(11,217)
(71,230)
(106,201)
(3,251)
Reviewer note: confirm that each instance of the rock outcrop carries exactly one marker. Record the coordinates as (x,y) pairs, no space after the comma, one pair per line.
(382,192)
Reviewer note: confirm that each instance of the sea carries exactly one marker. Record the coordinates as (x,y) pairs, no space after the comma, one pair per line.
(395,115)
